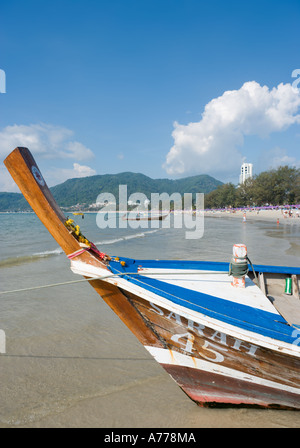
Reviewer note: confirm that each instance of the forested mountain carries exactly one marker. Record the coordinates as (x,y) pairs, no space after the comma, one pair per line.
(84,191)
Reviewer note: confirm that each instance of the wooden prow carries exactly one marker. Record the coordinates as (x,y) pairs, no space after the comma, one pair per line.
(25,172)
(28,177)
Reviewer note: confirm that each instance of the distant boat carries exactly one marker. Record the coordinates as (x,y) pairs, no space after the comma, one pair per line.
(143,216)
(79,214)
(225,339)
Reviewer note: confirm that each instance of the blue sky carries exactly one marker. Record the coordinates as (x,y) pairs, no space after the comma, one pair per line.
(168,88)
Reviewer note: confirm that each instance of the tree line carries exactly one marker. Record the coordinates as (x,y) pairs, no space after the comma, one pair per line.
(279,186)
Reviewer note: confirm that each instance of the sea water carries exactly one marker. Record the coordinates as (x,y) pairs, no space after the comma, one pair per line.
(70,362)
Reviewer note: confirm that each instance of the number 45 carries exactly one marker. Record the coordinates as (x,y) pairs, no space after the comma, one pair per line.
(295,73)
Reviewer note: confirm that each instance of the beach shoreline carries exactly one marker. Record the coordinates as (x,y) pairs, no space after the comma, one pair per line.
(278,216)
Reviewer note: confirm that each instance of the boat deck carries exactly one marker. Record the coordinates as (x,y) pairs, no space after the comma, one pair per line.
(205,287)
(288,305)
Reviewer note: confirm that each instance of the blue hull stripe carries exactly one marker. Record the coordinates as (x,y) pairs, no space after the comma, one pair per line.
(242,316)
(205,265)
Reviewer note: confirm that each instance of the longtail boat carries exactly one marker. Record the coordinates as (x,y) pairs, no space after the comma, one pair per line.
(227,333)
(131,216)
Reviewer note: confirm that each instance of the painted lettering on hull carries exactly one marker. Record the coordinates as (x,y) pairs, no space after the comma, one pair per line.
(202,341)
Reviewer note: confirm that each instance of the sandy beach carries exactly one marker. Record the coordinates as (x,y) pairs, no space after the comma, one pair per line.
(278,216)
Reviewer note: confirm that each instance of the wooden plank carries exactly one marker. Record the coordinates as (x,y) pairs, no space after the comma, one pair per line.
(295,286)
(261,281)
(288,306)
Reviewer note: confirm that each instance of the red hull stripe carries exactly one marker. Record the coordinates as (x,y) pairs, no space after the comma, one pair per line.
(208,388)
(209,382)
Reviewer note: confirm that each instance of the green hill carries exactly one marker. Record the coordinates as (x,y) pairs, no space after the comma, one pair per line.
(84,191)
(12,202)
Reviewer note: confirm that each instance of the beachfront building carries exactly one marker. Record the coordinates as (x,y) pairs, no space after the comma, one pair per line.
(246,172)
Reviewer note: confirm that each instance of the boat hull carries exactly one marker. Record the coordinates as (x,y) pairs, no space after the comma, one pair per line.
(207,389)
(215,368)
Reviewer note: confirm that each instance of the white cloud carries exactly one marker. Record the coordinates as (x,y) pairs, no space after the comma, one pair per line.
(276,157)
(6,181)
(212,144)
(77,171)
(46,140)
(59,175)
(82,170)
(77,150)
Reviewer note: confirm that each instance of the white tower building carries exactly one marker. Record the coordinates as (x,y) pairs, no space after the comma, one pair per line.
(246,172)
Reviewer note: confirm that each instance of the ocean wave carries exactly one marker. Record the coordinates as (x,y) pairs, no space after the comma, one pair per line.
(15,261)
(125,238)
(48,253)
(137,235)
(104,242)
